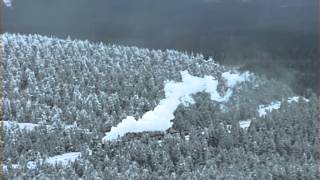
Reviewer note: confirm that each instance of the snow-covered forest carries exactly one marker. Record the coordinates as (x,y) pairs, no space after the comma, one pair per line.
(63,98)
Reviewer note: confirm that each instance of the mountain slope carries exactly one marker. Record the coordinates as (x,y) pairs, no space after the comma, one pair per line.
(72,92)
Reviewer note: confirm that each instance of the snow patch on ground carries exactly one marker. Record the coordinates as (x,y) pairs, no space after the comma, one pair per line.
(13,126)
(245,124)
(176,93)
(63,159)
(21,126)
(293,99)
(264,109)
(187,137)
(297,99)
(13,166)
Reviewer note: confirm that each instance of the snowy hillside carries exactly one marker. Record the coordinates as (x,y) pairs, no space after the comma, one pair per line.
(174,115)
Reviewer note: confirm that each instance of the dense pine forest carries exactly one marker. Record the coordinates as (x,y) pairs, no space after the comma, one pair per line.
(60,98)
